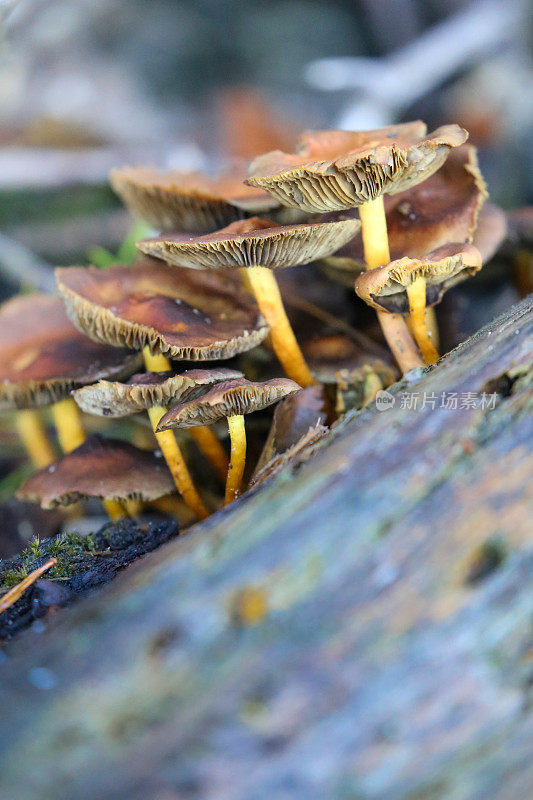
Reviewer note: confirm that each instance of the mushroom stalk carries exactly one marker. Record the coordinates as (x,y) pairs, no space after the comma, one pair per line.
(416,294)
(267,294)
(32,432)
(204,437)
(70,434)
(237,432)
(210,445)
(376,250)
(67,421)
(169,446)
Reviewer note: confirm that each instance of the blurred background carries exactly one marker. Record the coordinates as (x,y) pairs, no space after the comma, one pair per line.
(85,86)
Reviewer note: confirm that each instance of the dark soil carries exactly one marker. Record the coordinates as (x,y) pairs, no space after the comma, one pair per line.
(83,562)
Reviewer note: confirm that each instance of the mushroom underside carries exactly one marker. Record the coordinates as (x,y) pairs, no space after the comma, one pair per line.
(393,297)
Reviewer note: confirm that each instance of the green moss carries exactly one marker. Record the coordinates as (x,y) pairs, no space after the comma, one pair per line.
(71,551)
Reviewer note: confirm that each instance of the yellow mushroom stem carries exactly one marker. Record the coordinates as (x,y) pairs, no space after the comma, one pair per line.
(67,421)
(376,250)
(416,294)
(169,446)
(210,445)
(70,434)
(11,597)
(32,432)
(237,432)
(267,294)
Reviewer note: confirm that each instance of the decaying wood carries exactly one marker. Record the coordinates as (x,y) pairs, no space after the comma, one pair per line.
(358,629)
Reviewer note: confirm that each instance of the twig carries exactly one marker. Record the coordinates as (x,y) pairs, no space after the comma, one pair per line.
(17,591)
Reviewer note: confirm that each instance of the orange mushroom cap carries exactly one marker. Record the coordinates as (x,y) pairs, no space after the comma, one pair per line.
(334,170)
(384,288)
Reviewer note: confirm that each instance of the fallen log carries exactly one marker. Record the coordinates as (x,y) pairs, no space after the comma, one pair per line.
(355,629)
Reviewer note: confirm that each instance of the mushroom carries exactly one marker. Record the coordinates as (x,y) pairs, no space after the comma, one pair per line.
(108,469)
(148,306)
(148,389)
(406,285)
(43,357)
(231,399)
(190,201)
(259,246)
(336,170)
(447,207)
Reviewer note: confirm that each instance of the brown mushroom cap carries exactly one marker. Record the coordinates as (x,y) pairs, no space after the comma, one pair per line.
(188,201)
(253,242)
(520,223)
(227,400)
(491,231)
(105,468)
(329,353)
(185,315)
(297,454)
(43,356)
(384,287)
(114,399)
(293,417)
(334,170)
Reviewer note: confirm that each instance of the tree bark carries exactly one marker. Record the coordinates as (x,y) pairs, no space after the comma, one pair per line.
(356,630)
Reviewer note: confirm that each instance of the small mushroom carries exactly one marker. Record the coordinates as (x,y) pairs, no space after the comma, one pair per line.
(108,469)
(447,207)
(149,389)
(406,285)
(43,357)
(336,170)
(490,232)
(148,306)
(259,246)
(231,400)
(190,201)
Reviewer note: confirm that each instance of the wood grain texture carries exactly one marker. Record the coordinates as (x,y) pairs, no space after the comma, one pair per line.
(357,630)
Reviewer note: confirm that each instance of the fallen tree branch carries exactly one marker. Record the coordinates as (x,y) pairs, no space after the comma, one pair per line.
(355,629)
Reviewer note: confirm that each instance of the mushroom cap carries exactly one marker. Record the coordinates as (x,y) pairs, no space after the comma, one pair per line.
(253,242)
(298,453)
(43,356)
(104,468)
(293,417)
(185,315)
(333,170)
(329,353)
(520,223)
(445,208)
(226,400)
(147,389)
(491,231)
(384,287)
(188,201)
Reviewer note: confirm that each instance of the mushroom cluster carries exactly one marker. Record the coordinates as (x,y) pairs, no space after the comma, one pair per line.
(396,213)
